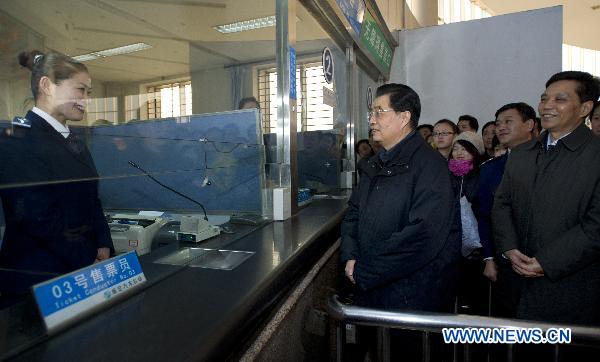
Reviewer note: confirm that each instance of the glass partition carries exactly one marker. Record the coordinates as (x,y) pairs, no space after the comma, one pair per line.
(163,117)
(322,112)
(168,114)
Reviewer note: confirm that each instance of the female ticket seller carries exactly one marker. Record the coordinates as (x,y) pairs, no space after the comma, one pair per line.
(48,182)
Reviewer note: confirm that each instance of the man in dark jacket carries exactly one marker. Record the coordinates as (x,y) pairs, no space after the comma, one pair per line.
(546,214)
(401,235)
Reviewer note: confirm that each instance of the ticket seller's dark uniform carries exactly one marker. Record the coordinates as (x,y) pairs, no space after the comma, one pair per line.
(49,191)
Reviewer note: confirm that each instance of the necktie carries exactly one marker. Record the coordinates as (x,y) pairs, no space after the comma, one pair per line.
(550,148)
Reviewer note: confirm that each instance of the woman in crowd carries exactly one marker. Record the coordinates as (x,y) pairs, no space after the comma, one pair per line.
(444,132)
(467,150)
(54,220)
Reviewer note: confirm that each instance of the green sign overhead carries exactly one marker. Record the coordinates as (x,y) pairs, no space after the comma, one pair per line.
(372,39)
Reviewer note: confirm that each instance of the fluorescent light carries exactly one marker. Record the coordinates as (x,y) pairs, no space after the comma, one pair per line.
(246,25)
(131,48)
(86,57)
(126,49)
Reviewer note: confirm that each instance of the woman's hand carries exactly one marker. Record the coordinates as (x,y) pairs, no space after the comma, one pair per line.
(103,254)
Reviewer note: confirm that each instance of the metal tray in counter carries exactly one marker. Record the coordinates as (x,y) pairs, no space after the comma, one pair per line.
(206,258)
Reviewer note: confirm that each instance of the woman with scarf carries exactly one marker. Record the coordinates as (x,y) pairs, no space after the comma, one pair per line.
(465,157)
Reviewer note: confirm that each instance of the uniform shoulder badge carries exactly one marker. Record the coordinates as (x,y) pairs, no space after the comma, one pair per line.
(21,122)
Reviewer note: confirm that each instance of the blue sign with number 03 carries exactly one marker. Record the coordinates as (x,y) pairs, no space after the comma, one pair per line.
(62,299)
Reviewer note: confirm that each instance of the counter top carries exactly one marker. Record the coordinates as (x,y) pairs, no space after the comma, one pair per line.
(190,313)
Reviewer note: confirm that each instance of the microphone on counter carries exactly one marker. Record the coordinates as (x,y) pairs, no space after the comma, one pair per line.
(169,188)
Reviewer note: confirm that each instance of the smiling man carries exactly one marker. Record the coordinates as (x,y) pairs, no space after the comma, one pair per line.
(400,237)
(514,126)
(546,213)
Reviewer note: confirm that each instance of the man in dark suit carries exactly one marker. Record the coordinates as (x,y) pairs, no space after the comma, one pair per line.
(546,213)
(514,126)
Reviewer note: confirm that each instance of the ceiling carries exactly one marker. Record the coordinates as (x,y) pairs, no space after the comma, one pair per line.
(170,26)
(581,18)
(173,26)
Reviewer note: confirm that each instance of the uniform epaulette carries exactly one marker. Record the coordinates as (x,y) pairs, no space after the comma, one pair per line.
(21,122)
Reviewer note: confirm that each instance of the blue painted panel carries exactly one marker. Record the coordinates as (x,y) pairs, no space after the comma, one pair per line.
(215,159)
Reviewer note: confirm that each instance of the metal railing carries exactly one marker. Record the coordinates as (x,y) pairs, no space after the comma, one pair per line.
(430,322)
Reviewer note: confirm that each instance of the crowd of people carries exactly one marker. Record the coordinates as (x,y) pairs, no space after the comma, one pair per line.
(517,205)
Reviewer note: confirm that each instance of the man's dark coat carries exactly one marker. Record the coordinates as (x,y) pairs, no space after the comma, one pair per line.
(402,228)
(548,207)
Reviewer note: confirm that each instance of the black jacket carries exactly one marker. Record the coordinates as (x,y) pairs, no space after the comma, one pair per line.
(403,230)
(548,207)
(470,184)
(49,191)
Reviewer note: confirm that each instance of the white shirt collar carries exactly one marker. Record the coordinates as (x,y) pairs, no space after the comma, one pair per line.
(59,127)
(552,142)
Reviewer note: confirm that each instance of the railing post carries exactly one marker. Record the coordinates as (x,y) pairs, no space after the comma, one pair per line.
(383,343)
(510,350)
(426,347)
(490,299)
(340,338)
(455,352)
(467,352)
(555,353)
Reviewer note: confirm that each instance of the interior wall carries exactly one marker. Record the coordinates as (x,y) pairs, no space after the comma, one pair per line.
(15,98)
(15,88)
(212,89)
(475,67)
(206,96)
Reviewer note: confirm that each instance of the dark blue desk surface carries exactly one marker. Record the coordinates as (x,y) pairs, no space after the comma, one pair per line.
(201,314)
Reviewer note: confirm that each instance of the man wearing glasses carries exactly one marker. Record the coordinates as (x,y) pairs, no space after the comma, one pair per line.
(400,237)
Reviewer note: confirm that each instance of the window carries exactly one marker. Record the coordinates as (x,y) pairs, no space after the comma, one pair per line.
(170,100)
(133,104)
(311,114)
(102,109)
(452,11)
(576,58)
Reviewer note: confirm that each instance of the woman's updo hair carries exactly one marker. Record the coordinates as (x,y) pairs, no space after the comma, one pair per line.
(56,66)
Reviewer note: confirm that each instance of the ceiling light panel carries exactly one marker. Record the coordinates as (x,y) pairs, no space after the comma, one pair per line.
(131,48)
(246,25)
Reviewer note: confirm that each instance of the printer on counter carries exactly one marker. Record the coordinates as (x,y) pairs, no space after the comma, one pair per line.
(134,232)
